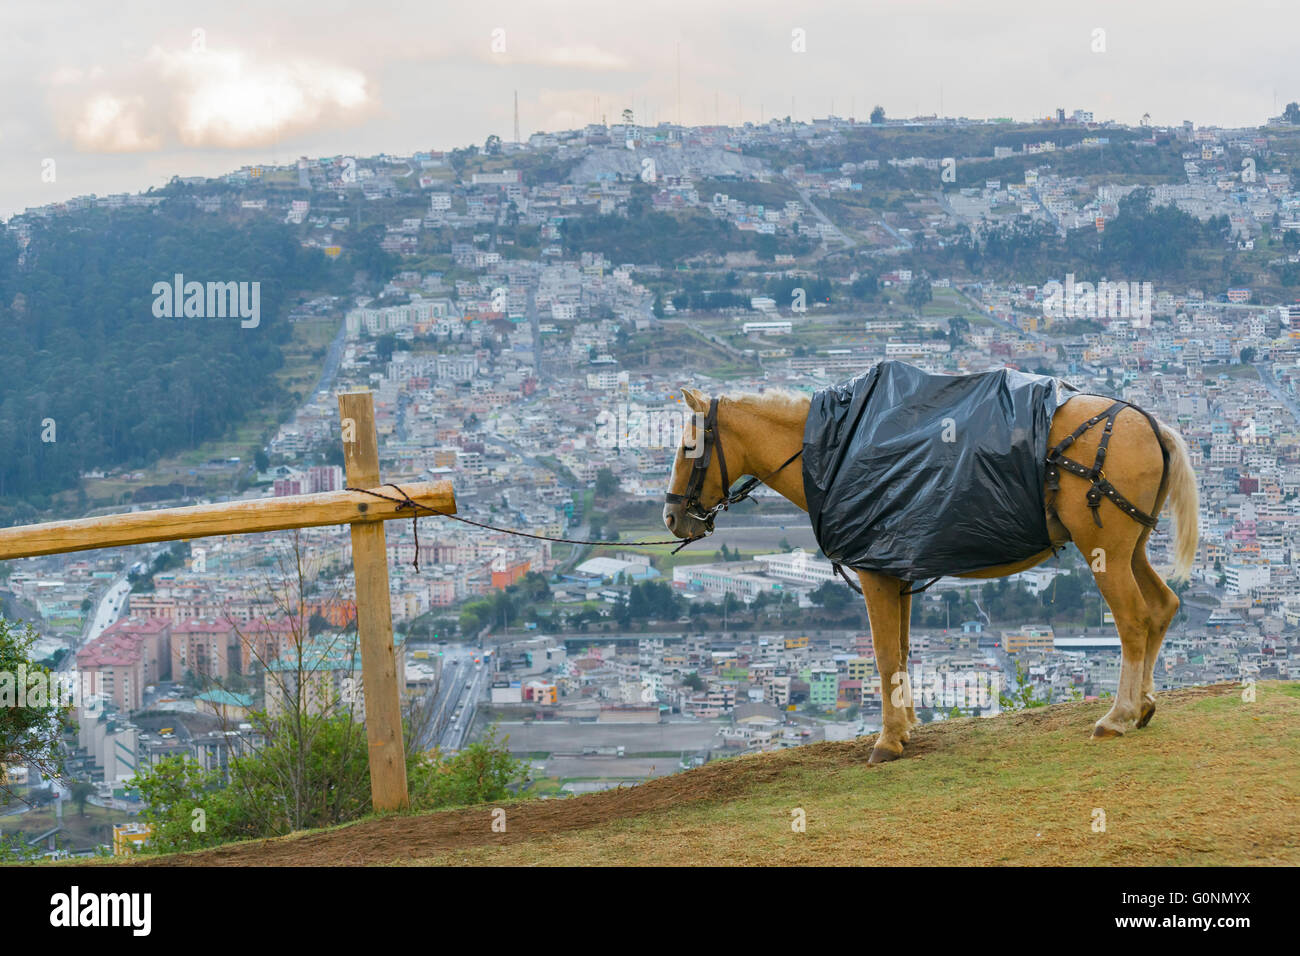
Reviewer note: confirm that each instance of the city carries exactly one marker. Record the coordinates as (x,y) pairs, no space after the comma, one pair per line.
(533,324)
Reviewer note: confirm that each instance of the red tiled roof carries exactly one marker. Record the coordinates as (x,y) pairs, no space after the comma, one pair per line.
(203,626)
(110,650)
(143,627)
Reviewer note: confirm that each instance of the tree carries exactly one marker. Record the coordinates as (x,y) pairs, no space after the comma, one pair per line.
(877,116)
(306,765)
(28,734)
(919,293)
(492,145)
(864,287)
(1292,113)
(184,804)
(481,773)
(385,346)
(81,791)
(607,484)
(125,384)
(14,849)
(831,595)
(1021,696)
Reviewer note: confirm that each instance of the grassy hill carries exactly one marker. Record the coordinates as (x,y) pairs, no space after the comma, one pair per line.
(1213,780)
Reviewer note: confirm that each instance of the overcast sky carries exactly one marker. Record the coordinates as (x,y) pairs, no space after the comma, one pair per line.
(124,95)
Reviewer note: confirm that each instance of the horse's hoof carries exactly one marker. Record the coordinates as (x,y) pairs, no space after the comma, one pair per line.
(1148,712)
(881,755)
(1101,733)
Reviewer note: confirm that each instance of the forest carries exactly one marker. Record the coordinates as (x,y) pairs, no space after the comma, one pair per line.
(91,379)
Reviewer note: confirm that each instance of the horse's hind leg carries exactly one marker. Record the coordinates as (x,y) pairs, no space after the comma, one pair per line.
(905,655)
(1162,605)
(1120,589)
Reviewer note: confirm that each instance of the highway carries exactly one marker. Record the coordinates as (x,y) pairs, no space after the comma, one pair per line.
(463,686)
(110,608)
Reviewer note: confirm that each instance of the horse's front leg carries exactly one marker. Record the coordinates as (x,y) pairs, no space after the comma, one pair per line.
(884,609)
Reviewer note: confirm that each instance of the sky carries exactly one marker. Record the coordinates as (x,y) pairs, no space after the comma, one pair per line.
(117,97)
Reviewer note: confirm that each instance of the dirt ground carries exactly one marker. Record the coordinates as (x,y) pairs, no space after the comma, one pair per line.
(723,812)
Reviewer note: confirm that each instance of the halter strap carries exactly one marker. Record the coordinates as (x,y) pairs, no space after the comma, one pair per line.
(712,439)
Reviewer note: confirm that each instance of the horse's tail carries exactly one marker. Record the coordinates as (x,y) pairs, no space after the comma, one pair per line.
(1184,500)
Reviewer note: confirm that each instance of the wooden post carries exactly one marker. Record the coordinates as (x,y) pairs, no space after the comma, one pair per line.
(374,612)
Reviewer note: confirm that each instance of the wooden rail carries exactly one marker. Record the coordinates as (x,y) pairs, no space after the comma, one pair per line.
(232,517)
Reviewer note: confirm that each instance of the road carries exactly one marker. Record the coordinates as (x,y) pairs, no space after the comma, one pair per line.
(111,604)
(333,357)
(904,243)
(463,686)
(847,241)
(1265,371)
(563,737)
(110,607)
(982,309)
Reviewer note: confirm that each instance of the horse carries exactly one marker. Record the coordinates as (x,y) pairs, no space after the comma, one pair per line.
(762,435)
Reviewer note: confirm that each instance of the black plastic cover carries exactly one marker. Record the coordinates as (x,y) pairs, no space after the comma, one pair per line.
(921,476)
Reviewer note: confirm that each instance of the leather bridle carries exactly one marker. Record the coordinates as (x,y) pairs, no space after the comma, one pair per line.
(712,441)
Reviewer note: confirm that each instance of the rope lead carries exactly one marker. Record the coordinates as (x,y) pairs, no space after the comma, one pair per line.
(407,502)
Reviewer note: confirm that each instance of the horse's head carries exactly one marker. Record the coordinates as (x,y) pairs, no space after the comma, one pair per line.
(696,484)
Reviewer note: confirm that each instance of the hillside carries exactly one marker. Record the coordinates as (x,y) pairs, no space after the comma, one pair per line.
(1213,781)
(97,374)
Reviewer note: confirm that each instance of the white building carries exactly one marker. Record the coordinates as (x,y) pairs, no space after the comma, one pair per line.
(798,566)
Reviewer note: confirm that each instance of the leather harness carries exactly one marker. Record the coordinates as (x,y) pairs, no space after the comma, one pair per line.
(1101,487)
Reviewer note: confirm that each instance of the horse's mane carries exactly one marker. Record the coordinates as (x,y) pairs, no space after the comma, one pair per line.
(778,403)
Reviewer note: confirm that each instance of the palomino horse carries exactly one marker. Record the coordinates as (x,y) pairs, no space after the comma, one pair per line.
(761,434)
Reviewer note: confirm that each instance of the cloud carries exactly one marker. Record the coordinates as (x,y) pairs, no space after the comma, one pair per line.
(228,100)
(205,99)
(585,57)
(506,47)
(112,124)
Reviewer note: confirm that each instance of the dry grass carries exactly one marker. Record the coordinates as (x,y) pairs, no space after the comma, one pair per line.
(1212,781)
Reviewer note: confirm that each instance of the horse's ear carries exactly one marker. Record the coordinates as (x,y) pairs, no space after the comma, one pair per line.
(695,400)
